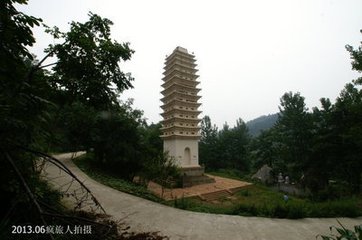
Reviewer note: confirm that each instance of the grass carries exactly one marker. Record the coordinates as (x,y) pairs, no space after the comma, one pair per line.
(253,200)
(84,162)
(258,200)
(230,173)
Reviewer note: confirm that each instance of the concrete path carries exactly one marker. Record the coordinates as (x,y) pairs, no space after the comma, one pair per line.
(144,215)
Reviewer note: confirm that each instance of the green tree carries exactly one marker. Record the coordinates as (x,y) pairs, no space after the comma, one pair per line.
(238,141)
(294,127)
(23,104)
(208,144)
(347,117)
(324,150)
(151,136)
(21,94)
(226,148)
(116,141)
(342,130)
(88,63)
(88,80)
(266,149)
(356,56)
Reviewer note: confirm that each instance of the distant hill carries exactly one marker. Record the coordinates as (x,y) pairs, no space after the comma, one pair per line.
(256,125)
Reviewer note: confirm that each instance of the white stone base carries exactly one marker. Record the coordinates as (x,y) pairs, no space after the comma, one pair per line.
(185,152)
(193,171)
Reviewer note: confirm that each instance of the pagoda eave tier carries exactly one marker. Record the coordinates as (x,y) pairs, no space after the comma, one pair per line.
(181,136)
(181,81)
(181,95)
(191,76)
(180,78)
(177,61)
(180,128)
(186,56)
(180,119)
(178,87)
(180,111)
(176,102)
(181,69)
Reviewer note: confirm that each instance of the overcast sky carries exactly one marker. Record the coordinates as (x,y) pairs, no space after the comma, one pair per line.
(249,53)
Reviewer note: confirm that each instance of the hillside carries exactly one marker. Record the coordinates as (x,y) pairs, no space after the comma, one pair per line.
(256,125)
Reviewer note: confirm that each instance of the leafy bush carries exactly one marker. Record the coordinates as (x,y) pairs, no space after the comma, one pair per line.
(84,162)
(297,210)
(182,203)
(336,208)
(245,210)
(244,193)
(344,233)
(258,200)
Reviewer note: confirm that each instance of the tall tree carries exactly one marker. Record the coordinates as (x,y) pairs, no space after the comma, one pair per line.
(226,148)
(23,104)
(88,78)
(208,144)
(294,128)
(346,122)
(21,94)
(266,149)
(88,63)
(238,142)
(356,56)
(347,119)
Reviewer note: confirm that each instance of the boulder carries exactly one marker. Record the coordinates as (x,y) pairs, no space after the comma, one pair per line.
(264,174)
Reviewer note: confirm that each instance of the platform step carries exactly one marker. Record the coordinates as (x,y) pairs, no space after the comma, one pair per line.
(236,189)
(189,181)
(215,195)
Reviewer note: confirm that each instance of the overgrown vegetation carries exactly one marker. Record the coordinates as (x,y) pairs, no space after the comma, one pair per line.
(87,164)
(254,200)
(258,200)
(343,233)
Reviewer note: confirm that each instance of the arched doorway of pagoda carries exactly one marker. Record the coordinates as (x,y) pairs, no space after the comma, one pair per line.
(187,156)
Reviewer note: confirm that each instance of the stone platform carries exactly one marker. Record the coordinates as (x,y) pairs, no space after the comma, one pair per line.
(203,191)
(194,175)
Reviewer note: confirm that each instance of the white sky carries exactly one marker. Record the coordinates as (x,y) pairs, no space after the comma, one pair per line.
(249,53)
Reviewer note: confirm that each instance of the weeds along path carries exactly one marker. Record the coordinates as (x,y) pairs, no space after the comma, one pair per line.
(144,215)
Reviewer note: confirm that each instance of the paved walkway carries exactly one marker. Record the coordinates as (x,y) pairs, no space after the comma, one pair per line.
(144,215)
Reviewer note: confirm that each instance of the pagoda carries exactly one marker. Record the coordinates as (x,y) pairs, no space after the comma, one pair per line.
(180,125)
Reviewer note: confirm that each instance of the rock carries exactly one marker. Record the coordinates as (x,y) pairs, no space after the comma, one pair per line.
(264,174)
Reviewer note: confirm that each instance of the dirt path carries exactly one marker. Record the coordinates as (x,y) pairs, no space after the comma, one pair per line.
(144,215)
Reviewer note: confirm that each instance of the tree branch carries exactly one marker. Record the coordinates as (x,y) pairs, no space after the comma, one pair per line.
(27,189)
(61,165)
(48,65)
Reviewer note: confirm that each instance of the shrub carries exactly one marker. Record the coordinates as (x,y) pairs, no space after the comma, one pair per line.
(244,193)
(296,210)
(281,210)
(344,233)
(245,210)
(183,203)
(112,180)
(337,208)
